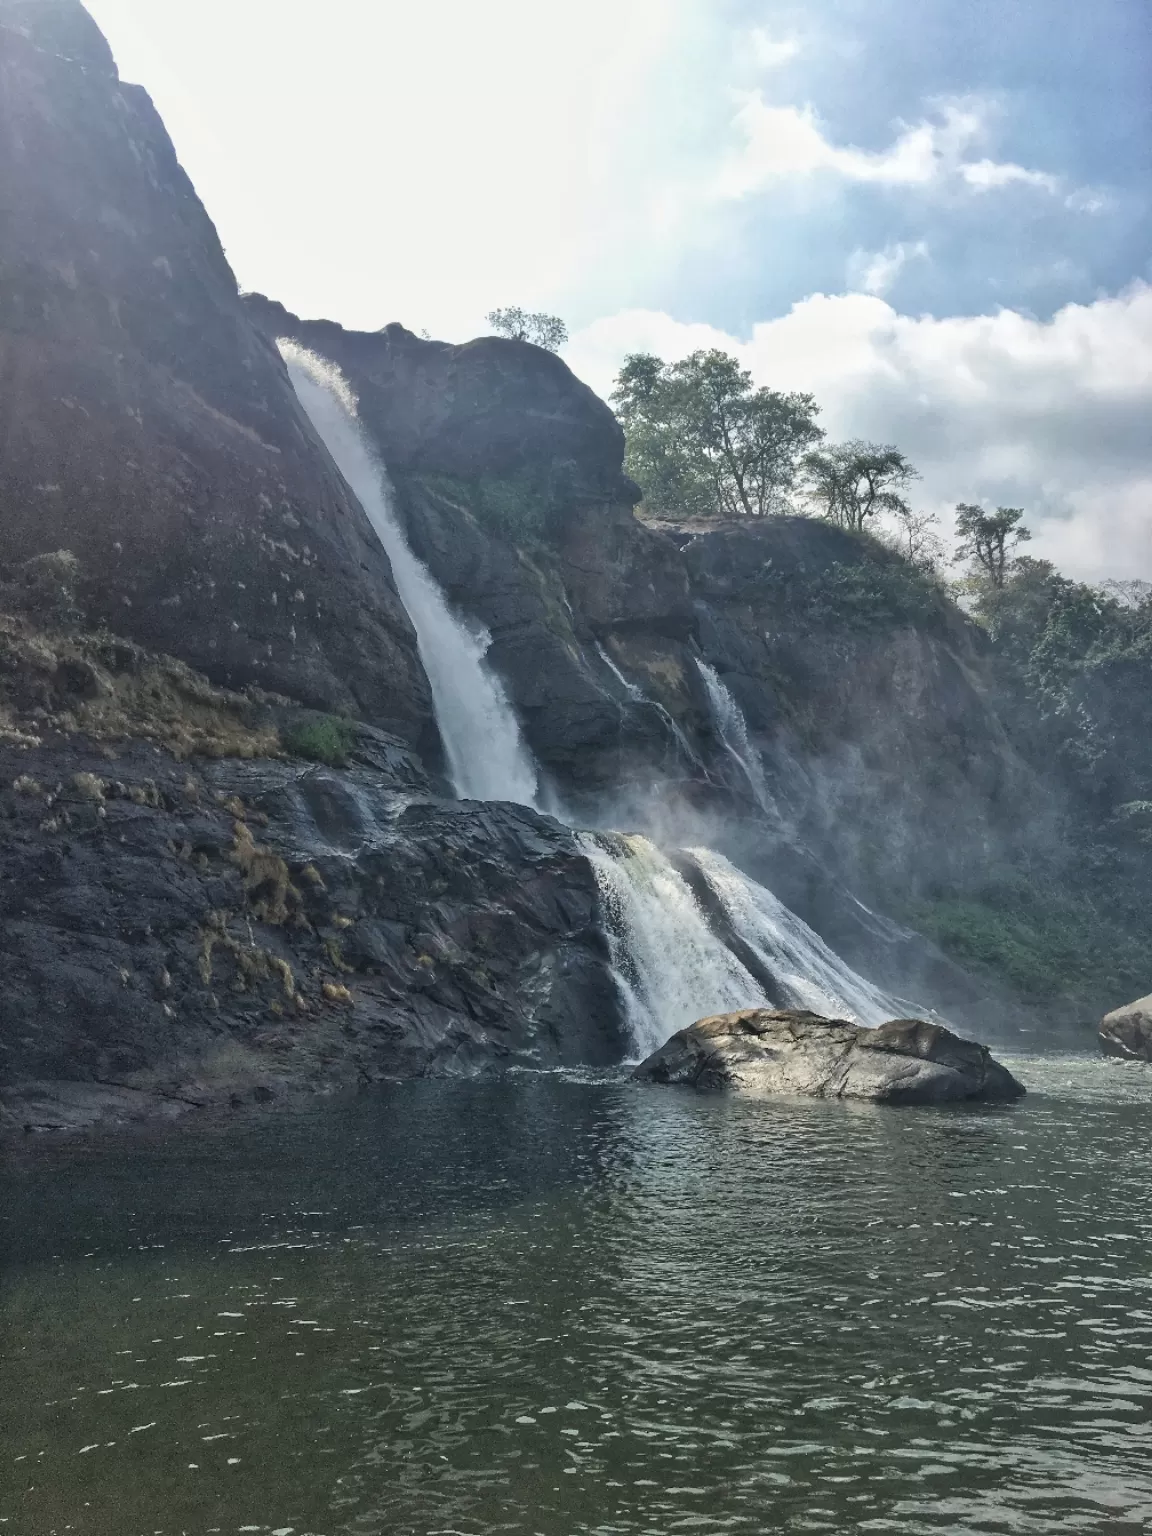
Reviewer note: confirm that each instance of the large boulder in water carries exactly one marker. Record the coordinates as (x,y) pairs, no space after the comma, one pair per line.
(1128,1031)
(791,1052)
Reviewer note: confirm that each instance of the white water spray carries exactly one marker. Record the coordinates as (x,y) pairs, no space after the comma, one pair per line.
(798,958)
(733,731)
(671,967)
(487,758)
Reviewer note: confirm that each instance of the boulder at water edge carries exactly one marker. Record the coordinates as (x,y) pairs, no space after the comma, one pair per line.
(1128,1031)
(765,1051)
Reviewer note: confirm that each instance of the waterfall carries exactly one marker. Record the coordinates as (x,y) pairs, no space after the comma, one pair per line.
(487,758)
(732,729)
(671,967)
(814,975)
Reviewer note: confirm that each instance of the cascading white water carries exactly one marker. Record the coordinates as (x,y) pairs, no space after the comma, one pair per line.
(733,732)
(671,967)
(487,758)
(814,975)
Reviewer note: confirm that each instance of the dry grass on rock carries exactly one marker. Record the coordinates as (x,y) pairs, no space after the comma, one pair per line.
(59,683)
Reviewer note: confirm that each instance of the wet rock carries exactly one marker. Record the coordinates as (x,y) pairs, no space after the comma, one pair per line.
(789,1052)
(256,929)
(1128,1031)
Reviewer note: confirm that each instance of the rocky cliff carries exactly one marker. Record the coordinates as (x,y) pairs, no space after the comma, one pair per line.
(191,918)
(192,910)
(873,729)
(146,425)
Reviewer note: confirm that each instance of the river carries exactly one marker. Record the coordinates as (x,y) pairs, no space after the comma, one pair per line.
(552,1305)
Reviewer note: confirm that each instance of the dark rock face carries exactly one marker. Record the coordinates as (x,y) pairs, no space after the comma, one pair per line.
(448,420)
(489,407)
(770,1052)
(877,687)
(146,425)
(237,931)
(863,696)
(1128,1031)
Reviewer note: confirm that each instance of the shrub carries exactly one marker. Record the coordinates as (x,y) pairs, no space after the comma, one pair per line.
(876,591)
(326,739)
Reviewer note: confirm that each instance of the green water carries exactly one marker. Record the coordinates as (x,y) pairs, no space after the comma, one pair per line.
(559,1306)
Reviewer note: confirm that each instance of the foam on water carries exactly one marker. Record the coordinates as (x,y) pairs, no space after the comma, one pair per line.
(671,967)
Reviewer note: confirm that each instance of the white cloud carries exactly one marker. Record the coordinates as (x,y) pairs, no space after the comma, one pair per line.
(1090,200)
(876,271)
(987,174)
(768,52)
(1003,408)
(348,180)
(784,141)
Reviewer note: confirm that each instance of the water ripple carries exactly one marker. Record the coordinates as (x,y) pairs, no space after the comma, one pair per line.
(557,1306)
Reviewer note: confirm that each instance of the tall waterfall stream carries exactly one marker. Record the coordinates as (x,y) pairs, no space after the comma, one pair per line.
(671,967)
(487,758)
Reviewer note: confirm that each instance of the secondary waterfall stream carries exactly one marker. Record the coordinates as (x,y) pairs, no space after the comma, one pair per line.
(732,729)
(670,965)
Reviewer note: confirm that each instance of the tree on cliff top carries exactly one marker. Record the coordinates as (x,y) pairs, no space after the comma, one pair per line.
(702,441)
(547,331)
(988,539)
(848,483)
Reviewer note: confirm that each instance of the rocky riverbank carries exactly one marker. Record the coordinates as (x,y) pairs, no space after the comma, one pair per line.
(194,917)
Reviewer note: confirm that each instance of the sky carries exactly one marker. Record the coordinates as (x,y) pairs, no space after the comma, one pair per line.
(937,217)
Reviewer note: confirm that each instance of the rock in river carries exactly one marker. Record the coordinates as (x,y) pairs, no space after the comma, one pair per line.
(765,1051)
(1128,1031)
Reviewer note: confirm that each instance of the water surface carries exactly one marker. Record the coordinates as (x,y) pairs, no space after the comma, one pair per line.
(551,1306)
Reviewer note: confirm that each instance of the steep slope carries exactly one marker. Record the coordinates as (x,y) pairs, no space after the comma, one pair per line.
(508,471)
(147,425)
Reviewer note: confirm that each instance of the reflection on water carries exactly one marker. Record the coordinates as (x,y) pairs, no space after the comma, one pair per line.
(557,1306)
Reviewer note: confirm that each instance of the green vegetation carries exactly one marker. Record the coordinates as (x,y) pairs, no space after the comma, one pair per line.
(869,587)
(851,483)
(988,539)
(1076,663)
(701,440)
(878,592)
(1073,668)
(547,331)
(324,739)
(1043,937)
